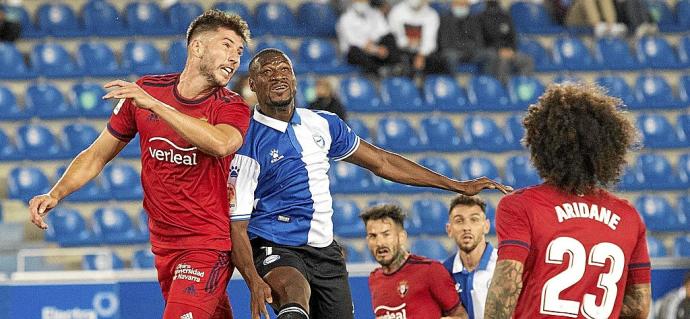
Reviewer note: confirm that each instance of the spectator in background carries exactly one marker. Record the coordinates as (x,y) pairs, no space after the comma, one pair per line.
(460,37)
(636,16)
(415,27)
(676,303)
(598,14)
(327,100)
(9,30)
(499,35)
(365,38)
(241,87)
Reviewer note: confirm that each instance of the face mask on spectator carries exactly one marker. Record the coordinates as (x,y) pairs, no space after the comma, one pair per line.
(461,12)
(359,7)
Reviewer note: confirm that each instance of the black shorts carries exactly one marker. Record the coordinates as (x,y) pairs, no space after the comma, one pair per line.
(324,268)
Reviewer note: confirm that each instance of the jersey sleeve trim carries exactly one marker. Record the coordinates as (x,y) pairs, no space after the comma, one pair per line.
(240,217)
(352,150)
(513,243)
(247,179)
(447,311)
(640,265)
(118,135)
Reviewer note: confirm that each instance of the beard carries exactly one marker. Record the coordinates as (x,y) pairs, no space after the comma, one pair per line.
(284,103)
(469,247)
(207,71)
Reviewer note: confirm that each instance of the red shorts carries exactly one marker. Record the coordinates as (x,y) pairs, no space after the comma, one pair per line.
(194,282)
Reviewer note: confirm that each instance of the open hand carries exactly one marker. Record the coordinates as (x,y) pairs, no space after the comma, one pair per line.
(260,295)
(129,90)
(474,186)
(39,206)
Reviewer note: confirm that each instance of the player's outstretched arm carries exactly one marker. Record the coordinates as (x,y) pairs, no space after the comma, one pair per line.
(396,168)
(504,290)
(243,260)
(216,140)
(83,168)
(636,301)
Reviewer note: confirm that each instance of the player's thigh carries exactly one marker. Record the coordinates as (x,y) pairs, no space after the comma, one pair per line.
(331,298)
(200,280)
(284,270)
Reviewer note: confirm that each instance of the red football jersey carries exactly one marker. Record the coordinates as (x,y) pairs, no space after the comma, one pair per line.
(420,289)
(579,252)
(185,190)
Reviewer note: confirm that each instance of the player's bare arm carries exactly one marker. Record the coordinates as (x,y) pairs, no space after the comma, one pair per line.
(396,168)
(243,260)
(636,301)
(217,140)
(505,289)
(457,313)
(87,165)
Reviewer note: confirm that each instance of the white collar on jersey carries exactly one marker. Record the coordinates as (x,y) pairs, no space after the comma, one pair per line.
(275,124)
(483,262)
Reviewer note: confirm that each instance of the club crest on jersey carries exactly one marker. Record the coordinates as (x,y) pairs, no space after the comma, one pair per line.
(275,156)
(318,139)
(403,288)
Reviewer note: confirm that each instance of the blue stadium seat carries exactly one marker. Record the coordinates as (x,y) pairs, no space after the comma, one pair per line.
(442,92)
(9,109)
(520,173)
(475,166)
(413,223)
(565,78)
(37,142)
(662,16)
(93,191)
(177,55)
(143,259)
(77,137)
(12,65)
(524,90)
(440,134)
(631,179)
(571,54)
(132,149)
(482,133)
(98,59)
(360,129)
(270,42)
(353,255)
(306,91)
(123,181)
(46,101)
(533,18)
(684,212)
(348,178)
(655,52)
(346,221)
(143,223)
(430,248)
(652,91)
(684,172)
(52,60)
(616,86)
(67,227)
(276,18)
(657,132)
(614,54)
(240,9)
(684,90)
(433,214)
(656,247)
(320,56)
(8,150)
(360,95)
(59,20)
(542,60)
(401,94)
(514,132)
(181,14)
(27,182)
(486,93)
(657,212)
(115,227)
(102,262)
(657,172)
(318,19)
(88,100)
(19,14)
(683,14)
(682,246)
(398,135)
(146,18)
(142,58)
(439,165)
(102,18)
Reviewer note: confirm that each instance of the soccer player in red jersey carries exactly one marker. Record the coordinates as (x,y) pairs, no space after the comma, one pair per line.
(406,285)
(189,126)
(567,247)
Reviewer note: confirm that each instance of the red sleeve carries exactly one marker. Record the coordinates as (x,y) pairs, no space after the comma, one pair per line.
(442,288)
(122,124)
(234,113)
(639,269)
(512,229)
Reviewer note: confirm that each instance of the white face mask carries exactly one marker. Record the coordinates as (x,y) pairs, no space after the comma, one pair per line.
(360,7)
(414,3)
(461,12)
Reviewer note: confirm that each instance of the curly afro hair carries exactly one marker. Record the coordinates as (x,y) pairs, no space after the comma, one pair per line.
(578,137)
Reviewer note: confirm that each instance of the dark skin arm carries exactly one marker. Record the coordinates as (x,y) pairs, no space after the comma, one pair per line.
(636,302)
(504,290)
(396,168)
(243,260)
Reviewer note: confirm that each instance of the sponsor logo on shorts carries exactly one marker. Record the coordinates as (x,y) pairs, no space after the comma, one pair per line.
(187,316)
(270,259)
(186,272)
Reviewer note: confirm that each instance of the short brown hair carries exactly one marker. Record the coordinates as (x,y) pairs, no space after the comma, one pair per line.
(578,137)
(213,19)
(384,211)
(465,200)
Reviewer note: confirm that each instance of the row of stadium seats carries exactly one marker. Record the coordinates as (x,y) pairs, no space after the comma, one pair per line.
(101,18)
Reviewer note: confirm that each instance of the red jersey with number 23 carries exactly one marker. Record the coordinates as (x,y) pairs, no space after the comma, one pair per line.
(578,252)
(421,289)
(185,190)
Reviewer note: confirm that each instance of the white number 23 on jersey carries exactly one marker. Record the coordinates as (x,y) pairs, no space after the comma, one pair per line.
(551,303)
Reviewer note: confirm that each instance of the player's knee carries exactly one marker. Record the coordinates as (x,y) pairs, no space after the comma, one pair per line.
(292,311)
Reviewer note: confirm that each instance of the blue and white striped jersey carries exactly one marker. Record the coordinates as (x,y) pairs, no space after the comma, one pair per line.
(473,286)
(281,176)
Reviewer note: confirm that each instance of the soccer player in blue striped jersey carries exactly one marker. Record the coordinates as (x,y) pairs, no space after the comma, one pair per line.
(283,207)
